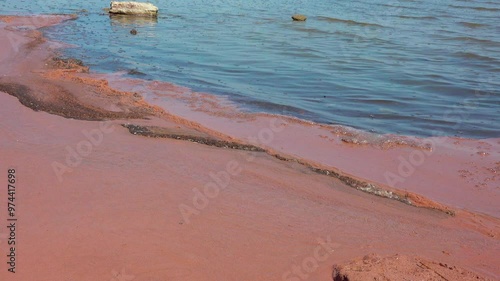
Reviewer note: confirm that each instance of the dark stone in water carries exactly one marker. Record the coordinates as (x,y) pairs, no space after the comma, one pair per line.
(299,17)
(133,31)
(136,72)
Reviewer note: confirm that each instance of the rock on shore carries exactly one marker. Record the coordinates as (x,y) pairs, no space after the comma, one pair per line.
(133,8)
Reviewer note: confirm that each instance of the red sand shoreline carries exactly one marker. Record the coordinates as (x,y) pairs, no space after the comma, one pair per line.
(459,173)
(118,209)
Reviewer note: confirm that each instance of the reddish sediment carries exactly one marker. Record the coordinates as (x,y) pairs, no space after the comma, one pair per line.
(374,267)
(117,211)
(459,173)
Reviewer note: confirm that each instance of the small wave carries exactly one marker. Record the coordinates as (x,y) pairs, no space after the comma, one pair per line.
(468,55)
(349,22)
(472,24)
(374,101)
(418,18)
(311,30)
(388,141)
(273,107)
(368,38)
(397,7)
(488,9)
(472,40)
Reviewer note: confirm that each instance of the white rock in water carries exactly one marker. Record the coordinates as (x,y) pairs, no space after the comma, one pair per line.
(133,8)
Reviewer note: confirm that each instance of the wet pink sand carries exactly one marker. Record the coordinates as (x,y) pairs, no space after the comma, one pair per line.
(116,215)
(460,173)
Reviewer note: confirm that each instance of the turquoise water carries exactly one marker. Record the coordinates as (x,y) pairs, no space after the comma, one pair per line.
(422,68)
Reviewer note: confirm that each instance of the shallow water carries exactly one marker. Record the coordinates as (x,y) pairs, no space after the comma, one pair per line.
(421,68)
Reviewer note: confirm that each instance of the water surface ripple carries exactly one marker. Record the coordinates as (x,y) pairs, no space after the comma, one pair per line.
(414,67)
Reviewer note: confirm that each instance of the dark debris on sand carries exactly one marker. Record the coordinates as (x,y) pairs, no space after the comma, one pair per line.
(65,105)
(69,63)
(158,132)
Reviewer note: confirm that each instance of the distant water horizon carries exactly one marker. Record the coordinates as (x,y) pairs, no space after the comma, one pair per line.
(418,68)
